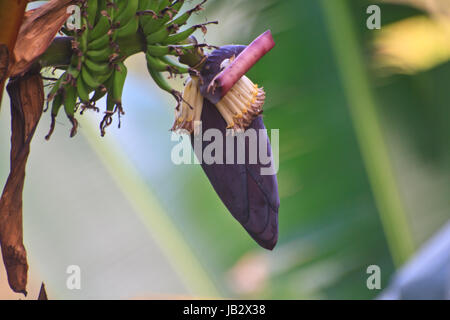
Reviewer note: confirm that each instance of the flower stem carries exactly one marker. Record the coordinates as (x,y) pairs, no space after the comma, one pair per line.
(368,130)
(58,53)
(225,80)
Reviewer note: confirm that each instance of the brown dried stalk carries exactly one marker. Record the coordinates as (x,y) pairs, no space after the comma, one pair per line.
(27,101)
(11,16)
(26,92)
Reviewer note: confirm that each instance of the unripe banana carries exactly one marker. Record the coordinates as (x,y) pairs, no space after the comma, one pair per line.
(163,4)
(89,79)
(129,29)
(182,19)
(177,5)
(143,5)
(110,105)
(100,55)
(101,28)
(111,7)
(160,80)
(55,89)
(165,13)
(91,11)
(84,35)
(177,50)
(120,6)
(181,36)
(174,66)
(70,99)
(56,106)
(159,36)
(150,5)
(156,64)
(57,103)
(97,68)
(128,11)
(119,82)
(101,7)
(83,90)
(99,43)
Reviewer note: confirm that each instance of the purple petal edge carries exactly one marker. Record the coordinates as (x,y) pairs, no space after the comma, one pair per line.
(250,197)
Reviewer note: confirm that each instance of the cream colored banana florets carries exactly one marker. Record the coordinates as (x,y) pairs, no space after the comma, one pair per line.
(191,107)
(242,104)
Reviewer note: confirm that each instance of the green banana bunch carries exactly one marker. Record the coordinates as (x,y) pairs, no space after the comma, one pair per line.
(100,47)
(163,39)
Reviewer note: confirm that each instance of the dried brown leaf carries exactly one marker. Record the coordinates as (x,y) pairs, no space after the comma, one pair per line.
(27,101)
(37,32)
(11,16)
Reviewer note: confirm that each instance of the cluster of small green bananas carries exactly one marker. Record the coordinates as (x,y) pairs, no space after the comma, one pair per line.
(97,67)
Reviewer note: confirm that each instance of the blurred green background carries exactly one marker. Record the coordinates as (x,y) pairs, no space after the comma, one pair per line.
(364,166)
